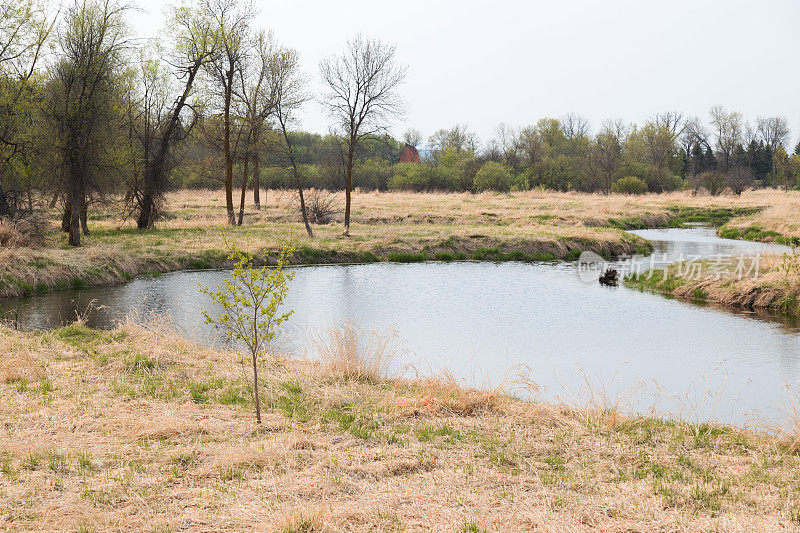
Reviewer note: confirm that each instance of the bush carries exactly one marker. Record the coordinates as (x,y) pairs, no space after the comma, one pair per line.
(738,179)
(372,174)
(520,182)
(496,176)
(276,178)
(410,176)
(711,182)
(629,185)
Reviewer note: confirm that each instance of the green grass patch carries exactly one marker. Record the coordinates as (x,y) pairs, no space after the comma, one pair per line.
(406,257)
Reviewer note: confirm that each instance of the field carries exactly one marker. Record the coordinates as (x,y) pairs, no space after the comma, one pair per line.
(397,226)
(138,429)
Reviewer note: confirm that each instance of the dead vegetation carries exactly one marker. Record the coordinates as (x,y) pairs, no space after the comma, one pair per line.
(139,429)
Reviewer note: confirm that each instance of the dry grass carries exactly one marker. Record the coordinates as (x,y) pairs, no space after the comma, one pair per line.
(780,214)
(138,429)
(534,223)
(776,287)
(348,353)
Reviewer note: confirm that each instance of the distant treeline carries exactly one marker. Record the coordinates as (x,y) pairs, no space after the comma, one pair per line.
(668,152)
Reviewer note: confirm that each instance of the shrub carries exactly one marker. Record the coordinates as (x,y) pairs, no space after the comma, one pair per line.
(738,179)
(629,185)
(410,176)
(711,182)
(493,175)
(520,182)
(372,174)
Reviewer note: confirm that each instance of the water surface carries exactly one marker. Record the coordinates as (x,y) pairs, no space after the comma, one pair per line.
(480,319)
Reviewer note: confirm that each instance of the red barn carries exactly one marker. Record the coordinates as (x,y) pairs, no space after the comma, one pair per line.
(409,154)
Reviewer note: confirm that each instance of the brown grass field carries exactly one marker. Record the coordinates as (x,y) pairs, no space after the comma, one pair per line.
(532,224)
(137,429)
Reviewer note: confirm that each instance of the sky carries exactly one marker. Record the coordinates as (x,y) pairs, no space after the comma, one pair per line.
(482,63)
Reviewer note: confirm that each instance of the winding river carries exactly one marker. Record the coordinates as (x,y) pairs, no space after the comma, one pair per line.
(484,321)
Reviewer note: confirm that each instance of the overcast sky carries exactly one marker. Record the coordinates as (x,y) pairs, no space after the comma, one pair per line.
(483,63)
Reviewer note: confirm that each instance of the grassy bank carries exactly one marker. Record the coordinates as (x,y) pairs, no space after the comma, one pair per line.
(138,429)
(776,288)
(398,226)
(777,222)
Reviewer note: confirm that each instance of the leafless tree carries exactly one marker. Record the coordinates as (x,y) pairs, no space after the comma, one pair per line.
(738,179)
(458,138)
(729,128)
(606,156)
(288,86)
(231,25)
(258,98)
(362,97)
(660,135)
(412,137)
(574,125)
(774,131)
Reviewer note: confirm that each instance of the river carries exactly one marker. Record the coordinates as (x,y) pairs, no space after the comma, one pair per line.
(483,321)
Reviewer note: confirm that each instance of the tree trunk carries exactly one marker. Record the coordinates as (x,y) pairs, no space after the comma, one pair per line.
(156,167)
(145,218)
(348,188)
(256,183)
(54,200)
(84,212)
(255,388)
(227,148)
(303,205)
(67,216)
(244,191)
(74,218)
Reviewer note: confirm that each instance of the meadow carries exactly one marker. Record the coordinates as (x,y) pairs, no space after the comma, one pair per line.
(394,226)
(139,429)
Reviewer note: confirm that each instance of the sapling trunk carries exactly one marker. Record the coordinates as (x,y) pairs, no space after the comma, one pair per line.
(255,387)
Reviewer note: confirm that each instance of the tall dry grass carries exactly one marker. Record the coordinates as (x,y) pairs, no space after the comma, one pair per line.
(347,352)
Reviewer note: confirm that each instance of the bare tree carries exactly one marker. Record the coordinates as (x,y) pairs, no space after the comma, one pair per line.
(361,97)
(738,179)
(728,127)
(606,156)
(258,97)
(290,95)
(660,135)
(412,137)
(574,125)
(458,138)
(231,22)
(774,131)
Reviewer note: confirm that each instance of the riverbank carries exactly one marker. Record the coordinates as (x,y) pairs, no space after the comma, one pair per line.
(772,283)
(400,226)
(137,428)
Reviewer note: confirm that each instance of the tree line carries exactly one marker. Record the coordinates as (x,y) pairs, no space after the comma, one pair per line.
(90,113)
(669,152)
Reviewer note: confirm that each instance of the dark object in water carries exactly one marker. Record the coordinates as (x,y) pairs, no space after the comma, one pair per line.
(609,278)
